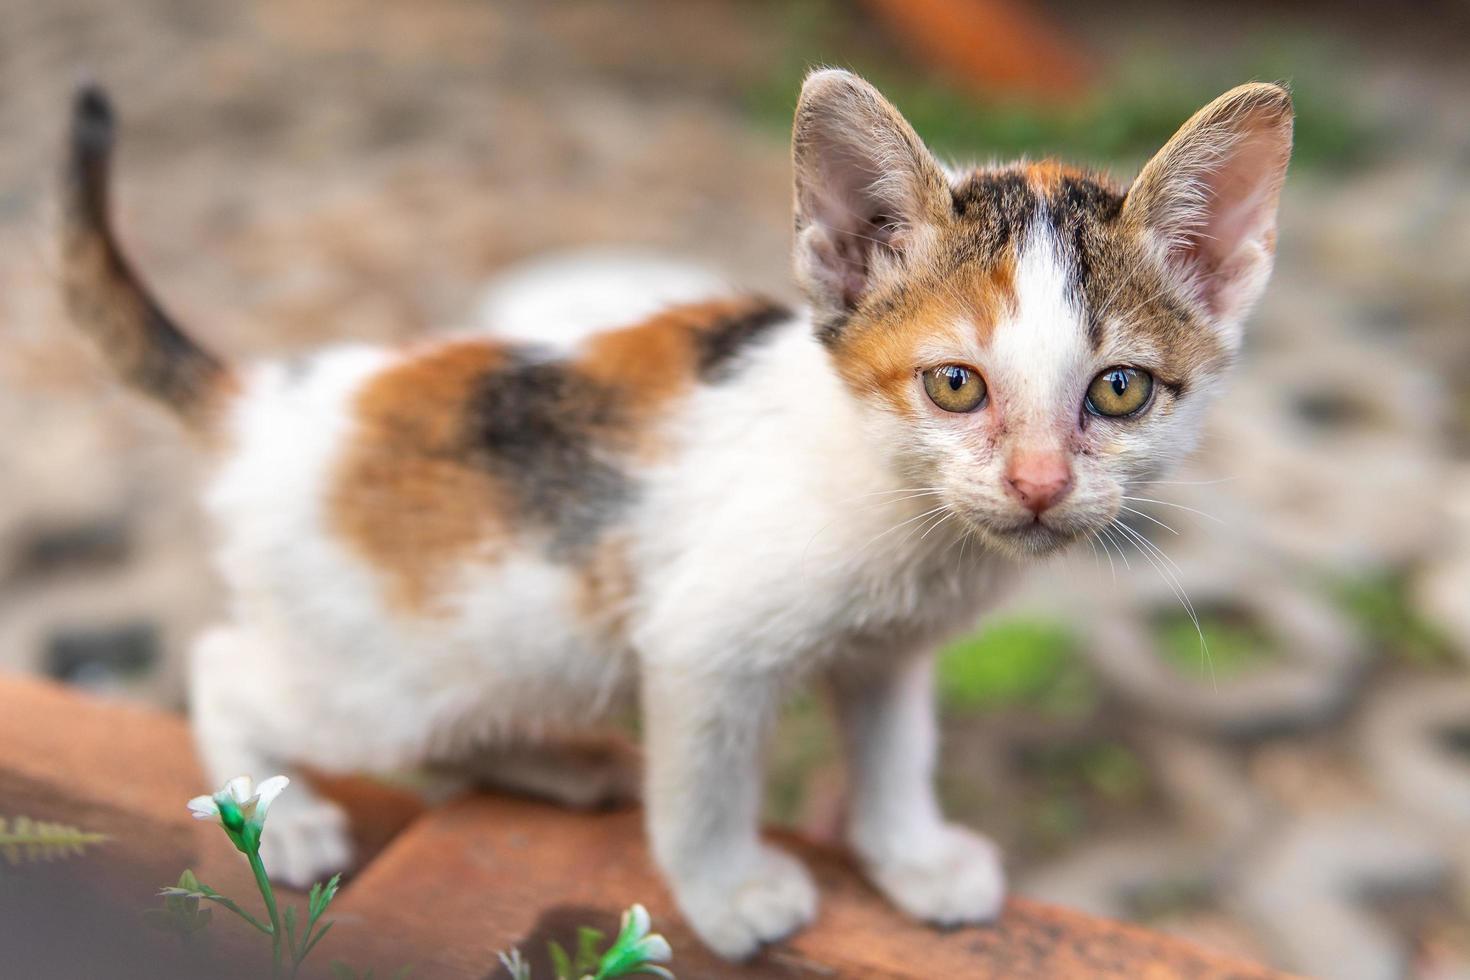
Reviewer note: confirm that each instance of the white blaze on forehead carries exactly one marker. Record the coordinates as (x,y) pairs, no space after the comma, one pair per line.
(1038,357)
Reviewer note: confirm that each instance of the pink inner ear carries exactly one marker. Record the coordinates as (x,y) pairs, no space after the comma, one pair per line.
(1237,229)
(1210,196)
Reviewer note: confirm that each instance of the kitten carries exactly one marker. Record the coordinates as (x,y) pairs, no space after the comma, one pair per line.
(462,551)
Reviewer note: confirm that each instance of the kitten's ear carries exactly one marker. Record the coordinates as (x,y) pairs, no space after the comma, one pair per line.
(1209,197)
(868,193)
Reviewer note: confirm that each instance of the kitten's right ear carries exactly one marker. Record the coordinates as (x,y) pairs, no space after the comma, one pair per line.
(868,192)
(1209,197)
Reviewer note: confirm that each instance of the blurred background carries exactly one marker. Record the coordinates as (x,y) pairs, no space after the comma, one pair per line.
(293,173)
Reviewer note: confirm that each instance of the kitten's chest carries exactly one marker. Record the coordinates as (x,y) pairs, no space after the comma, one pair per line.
(921,599)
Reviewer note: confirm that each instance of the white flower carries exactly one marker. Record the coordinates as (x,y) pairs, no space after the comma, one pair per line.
(236,795)
(635,949)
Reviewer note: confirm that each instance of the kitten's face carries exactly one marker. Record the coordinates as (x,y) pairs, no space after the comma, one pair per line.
(1034,363)
(1028,340)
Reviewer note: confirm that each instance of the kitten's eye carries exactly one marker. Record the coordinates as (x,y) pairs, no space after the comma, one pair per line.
(955,388)
(1119,391)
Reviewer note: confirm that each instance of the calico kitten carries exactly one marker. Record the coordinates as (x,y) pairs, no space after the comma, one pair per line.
(465,550)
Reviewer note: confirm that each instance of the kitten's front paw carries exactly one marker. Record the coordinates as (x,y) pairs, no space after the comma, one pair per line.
(773,899)
(957,879)
(305,841)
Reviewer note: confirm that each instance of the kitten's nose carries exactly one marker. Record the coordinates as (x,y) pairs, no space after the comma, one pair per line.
(1038,479)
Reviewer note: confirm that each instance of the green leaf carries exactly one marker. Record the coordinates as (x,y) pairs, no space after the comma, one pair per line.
(588,955)
(342,971)
(321,896)
(290,920)
(317,938)
(560,961)
(25,840)
(180,914)
(209,894)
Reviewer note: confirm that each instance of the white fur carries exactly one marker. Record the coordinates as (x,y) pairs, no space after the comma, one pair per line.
(559,300)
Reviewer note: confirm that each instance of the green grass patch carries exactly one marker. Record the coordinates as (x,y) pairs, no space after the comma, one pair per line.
(1013,663)
(1383,611)
(1235,644)
(803,743)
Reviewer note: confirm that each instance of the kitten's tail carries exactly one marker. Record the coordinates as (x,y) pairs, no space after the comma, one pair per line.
(103,294)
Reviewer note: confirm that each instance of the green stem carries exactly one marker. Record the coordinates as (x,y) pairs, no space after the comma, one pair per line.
(264,884)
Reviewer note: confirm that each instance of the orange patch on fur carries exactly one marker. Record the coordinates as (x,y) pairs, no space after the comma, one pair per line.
(1045,176)
(657,358)
(882,356)
(407,496)
(650,361)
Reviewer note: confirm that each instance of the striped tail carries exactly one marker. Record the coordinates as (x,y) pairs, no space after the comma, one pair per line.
(103,294)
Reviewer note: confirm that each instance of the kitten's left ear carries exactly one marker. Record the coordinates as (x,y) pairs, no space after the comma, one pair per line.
(1209,197)
(868,192)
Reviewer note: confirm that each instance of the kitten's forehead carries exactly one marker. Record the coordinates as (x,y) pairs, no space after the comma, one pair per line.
(1074,212)
(1042,347)
(1089,270)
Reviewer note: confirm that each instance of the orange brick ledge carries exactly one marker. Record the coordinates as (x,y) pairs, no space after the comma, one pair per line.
(444,890)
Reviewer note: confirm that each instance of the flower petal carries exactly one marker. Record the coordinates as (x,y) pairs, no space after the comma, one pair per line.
(268,790)
(238,788)
(635,923)
(655,949)
(203,808)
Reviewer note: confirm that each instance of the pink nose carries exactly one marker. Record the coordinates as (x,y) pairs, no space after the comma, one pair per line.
(1038,479)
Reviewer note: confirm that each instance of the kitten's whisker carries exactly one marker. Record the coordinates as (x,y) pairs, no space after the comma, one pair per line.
(895,527)
(1172,580)
(962,540)
(1096,561)
(1121,553)
(876,493)
(1183,483)
(947,516)
(1149,517)
(926,527)
(1169,503)
(901,493)
(1112,569)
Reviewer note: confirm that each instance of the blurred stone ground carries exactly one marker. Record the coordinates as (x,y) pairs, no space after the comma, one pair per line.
(296,173)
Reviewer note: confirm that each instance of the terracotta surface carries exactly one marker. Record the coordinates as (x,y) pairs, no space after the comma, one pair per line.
(457,885)
(485,874)
(126,772)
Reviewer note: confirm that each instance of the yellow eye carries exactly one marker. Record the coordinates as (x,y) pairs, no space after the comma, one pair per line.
(1119,391)
(955,388)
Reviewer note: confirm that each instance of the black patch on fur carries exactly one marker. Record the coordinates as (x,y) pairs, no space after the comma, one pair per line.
(1080,210)
(829,329)
(545,432)
(719,346)
(1002,204)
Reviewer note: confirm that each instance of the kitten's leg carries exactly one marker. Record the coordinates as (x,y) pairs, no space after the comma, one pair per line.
(238,725)
(933,870)
(582,773)
(703,736)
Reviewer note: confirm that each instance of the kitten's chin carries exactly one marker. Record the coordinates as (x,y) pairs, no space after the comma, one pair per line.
(1030,539)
